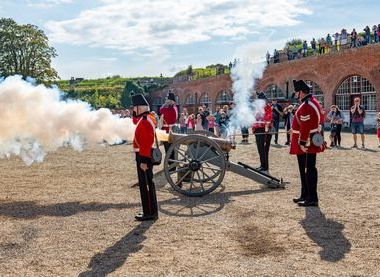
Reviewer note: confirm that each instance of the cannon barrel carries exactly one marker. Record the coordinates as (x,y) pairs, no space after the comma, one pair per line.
(224,144)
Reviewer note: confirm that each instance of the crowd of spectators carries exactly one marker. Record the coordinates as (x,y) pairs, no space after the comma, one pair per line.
(217,122)
(205,119)
(336,42)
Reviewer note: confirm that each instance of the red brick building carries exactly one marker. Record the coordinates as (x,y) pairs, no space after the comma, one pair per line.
(336,78)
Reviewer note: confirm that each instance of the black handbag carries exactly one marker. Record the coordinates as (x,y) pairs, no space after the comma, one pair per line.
(156,153)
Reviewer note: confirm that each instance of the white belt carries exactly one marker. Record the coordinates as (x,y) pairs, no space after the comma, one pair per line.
(166,125)
(311,131)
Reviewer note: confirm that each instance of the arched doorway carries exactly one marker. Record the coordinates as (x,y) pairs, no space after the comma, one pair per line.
(357,86)
(157,103)
(274,92)
(190,103)
(223,98)
(316,91)
(205,100)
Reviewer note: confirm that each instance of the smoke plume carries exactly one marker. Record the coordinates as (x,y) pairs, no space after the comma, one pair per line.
(244,73)
(34,121)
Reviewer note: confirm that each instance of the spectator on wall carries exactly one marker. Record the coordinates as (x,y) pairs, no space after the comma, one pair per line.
(343,37)
(328,43)
(313,45)
(367,36)
(336,37)
(268,57)
(354,37)
(378,33)
(375,34)
(357,121)
(304,48)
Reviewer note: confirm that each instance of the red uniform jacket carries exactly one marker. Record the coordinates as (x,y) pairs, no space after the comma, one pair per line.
(144,135)
(264,118)
(306,122)
(169,115)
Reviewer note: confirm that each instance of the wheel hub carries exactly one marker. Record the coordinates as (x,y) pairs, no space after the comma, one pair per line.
(195,165)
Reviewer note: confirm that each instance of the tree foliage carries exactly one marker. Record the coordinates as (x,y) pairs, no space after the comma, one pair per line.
(25,50)
(130,89)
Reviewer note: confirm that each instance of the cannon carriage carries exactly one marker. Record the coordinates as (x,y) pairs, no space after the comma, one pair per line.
(196,164)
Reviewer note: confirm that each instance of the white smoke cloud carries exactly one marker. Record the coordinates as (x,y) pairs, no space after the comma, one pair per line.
(249,67)
(34,121)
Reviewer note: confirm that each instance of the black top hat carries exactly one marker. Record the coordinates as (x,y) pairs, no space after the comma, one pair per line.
(262,96)
(139,100)
(170,96)
(301,85)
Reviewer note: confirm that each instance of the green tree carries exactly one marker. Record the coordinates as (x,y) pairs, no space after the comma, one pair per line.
(130,87)
(25,50)
(189,70)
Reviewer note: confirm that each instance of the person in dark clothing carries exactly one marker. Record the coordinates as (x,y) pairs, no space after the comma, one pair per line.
(288,116)
(336,119)
(278,112)
(261,129)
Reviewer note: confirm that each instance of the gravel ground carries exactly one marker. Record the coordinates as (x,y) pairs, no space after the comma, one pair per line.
(74,215)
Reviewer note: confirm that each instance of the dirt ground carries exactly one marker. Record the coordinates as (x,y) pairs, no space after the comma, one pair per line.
(74,215)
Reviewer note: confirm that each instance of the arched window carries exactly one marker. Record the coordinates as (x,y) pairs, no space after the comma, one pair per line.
(224,98)
(316,91)
(177,100)
(190,100)
(158,101)
(356,86)
(274,92)
(204,99)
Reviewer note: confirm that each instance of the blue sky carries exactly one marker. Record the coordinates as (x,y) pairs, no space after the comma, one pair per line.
(98,38)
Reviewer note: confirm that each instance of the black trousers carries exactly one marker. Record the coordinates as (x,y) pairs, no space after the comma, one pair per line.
(276,126)
(338,135)
(263,145)
(309,176)
(147,188)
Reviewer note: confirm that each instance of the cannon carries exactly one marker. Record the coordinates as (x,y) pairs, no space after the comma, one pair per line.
(195,164)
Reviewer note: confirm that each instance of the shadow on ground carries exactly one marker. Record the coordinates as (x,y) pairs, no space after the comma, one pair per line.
(30,209)
(327,233)
(185,206)
(115,256)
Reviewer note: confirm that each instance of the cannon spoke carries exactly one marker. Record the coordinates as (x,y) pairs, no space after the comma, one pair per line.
(182,154)
(183,177)
(177,161)
(208,177)
(204,153)
(212,169)
(181,169)
(200,181)
(211,159)
(191,181)
(197,149)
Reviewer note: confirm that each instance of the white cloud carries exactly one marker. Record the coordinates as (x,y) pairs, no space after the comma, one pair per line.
(149,27)
(47,3)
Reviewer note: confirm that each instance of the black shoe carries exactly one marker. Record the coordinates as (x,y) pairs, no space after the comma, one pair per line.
(300,199)
(308,204)
(141,217)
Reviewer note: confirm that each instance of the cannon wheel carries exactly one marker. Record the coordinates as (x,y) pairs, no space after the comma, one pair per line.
(198,166)
(205,133)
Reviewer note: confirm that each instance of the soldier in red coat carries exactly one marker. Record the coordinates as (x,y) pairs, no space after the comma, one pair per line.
(143,143)
(306,125)
(169,115)
(262,127)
